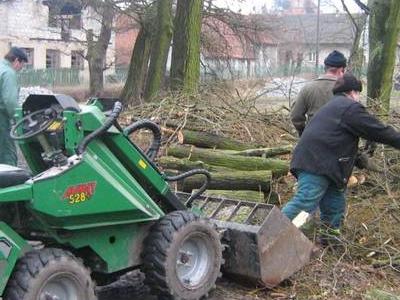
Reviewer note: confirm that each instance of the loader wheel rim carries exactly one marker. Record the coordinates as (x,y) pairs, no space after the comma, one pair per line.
(193,260)
(61,287)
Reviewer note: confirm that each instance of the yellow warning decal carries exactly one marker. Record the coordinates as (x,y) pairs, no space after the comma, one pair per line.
(56,125)
(142,164)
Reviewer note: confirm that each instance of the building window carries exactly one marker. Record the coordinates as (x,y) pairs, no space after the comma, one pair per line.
(29,53)
(77,60)
(53,20)
(52,59)
(312,56)
(75,22)
(65,15)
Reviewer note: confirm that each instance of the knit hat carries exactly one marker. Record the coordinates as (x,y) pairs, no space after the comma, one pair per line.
(335,59)
(19,53)
(346,84)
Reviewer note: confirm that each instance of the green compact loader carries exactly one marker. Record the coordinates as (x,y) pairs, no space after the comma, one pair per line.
(94,206)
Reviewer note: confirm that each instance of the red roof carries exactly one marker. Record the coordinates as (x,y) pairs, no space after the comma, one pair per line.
(221,40)
(126,33)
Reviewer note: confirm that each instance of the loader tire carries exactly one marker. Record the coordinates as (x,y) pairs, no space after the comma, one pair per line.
(50,274)
(182,257)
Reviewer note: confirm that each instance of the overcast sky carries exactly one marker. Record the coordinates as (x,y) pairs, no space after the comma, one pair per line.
(251,6)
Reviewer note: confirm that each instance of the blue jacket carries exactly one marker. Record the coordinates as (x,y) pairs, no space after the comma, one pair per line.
(9,89)
(329,143)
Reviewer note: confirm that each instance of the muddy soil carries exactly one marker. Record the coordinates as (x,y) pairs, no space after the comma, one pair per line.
(225,290)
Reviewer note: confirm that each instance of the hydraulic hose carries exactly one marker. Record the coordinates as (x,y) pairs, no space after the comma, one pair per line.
(117,108)
(151,153)
(188,174)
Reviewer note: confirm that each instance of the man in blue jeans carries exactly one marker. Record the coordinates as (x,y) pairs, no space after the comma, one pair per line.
(326,153)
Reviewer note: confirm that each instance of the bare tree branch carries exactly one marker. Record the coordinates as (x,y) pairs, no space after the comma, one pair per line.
(346,9)
(364,7)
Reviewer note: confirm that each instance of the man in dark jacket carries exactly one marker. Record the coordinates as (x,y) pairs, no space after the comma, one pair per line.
(325,155)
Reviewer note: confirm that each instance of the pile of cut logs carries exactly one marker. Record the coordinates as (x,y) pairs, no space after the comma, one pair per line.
(238,170)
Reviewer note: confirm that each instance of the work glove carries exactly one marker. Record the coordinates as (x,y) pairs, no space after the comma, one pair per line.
(363,161)
(370,148)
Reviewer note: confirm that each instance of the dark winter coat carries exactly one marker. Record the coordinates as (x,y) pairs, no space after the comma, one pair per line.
(329,143)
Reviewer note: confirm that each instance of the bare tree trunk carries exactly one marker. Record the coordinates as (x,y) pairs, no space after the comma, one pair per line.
(133,88)
(356,59)
(160,48)
(185,66)
(384,28)
(97,49)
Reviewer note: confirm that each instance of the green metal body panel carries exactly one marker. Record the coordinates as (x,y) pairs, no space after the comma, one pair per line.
(137,164)
(12,247)
(115,196)
(22,192)
(118,246)
(72,136)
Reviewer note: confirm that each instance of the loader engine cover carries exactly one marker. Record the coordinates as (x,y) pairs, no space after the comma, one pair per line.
(37,102)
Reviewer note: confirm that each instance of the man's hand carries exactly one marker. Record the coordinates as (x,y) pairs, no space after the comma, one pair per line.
(361,161)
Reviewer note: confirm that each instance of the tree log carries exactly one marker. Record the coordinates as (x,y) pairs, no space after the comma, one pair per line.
(210,140)
(263,152)
(183,164)
(232,180)
(218,158)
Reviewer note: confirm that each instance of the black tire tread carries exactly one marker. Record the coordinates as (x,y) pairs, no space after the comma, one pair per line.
(31,264)
(156,246)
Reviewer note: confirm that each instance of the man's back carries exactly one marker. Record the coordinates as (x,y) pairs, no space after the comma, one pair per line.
(310,99)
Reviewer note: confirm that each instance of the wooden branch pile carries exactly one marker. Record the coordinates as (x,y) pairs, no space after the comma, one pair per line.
(223,115)
(238,170)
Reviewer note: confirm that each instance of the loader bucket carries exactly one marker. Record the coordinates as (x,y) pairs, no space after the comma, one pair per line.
(262,244)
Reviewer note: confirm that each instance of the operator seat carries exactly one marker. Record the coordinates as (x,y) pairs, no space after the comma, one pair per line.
(10,175)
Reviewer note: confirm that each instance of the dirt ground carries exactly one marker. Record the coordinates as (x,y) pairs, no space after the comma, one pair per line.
(225,290)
